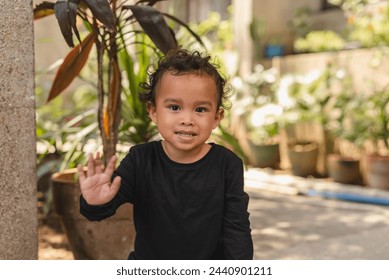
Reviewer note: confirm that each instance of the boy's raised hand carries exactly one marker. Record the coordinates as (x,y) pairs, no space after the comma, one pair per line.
(96,187)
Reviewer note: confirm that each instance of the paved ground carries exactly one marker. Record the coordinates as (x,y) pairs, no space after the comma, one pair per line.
(290,222)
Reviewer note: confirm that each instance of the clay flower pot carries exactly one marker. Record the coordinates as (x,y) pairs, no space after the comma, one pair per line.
(377,171)
(344,170)
(110,239)
(265,155)
(303,158)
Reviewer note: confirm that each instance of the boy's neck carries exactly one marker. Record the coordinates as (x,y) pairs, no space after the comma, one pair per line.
(185,157)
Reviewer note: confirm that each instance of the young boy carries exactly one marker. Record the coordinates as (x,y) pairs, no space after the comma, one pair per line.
(187,194)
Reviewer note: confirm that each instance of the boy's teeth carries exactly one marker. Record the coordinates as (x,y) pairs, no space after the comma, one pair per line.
(184,134)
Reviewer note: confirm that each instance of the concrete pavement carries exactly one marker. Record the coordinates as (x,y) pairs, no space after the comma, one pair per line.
(316,219)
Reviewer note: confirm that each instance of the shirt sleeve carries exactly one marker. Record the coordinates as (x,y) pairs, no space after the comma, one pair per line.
(237,239)
(125,194)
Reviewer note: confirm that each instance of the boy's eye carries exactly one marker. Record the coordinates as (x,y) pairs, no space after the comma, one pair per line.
(201,110)
(174,107)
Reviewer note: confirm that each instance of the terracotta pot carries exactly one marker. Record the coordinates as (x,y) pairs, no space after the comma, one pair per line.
(303,158)
(265,155)
(377,171)
(344,170)
(110,239)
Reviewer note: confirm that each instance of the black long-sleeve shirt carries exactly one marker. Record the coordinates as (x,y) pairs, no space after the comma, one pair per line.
(182,211)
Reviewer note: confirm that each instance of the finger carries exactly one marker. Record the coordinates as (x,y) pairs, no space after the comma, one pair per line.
(81,175)
(91,166)
(111,166)
(115,185)
(98,168)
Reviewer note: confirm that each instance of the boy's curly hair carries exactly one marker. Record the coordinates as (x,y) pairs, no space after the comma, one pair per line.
(180,61)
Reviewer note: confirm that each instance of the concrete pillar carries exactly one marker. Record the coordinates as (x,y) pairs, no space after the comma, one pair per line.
(243,13)
(18,207)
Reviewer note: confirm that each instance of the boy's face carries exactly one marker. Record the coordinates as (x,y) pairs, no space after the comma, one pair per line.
(186,111)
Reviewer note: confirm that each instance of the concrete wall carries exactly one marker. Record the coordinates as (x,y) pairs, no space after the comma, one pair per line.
(18,207)
(278,15)
(366,66)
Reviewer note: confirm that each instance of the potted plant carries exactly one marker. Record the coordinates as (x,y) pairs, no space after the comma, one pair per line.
(344,167)
(376,122)
(298,115)
(366,124)
(344,162)
(309,102)
(263,135)
(112,29)
(258,113)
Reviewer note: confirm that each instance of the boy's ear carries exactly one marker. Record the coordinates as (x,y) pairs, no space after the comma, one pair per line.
(218,117)
(152,112)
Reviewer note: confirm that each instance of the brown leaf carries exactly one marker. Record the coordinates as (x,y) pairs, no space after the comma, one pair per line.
(114,97)
(71,67)
(43,9)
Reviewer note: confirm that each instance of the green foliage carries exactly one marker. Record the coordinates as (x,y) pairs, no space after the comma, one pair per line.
(354,6)
(367,24)
(66,127)
(320,41)
(256,103)
(214,31)
(370,27)
(314,96)
(366,118)
(136,127)
(218,37)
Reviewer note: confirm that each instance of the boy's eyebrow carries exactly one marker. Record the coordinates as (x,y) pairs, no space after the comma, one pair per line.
(176,100)
(207,103)
(173,100)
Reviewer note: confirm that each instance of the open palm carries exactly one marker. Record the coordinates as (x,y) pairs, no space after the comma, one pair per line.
(96,186)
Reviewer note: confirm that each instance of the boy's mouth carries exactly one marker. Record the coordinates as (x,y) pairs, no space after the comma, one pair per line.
(186,133)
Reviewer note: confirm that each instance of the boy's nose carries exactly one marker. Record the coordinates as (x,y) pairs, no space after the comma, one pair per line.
(187,120)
